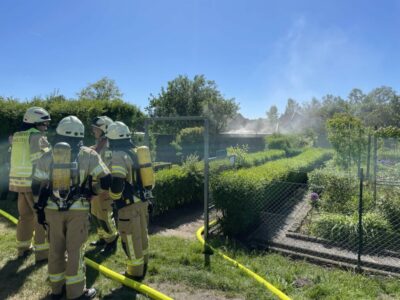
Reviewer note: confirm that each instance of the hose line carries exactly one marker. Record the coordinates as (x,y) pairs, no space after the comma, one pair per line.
(257,277)
(140,287)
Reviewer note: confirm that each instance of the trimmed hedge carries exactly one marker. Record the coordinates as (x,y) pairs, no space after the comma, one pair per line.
(176,187)
(12,111)
(250,160)
(291,143)
(179,185)
(241,195)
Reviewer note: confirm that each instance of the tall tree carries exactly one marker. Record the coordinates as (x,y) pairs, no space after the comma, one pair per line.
(292,107)
(186,97)
(346,134)
(272,117)
(332,105)
(103,89)
(272,114)
(375,110)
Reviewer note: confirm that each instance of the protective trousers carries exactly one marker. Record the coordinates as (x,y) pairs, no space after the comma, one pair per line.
(101,210)
(132,226)
(28,224)
(68,231)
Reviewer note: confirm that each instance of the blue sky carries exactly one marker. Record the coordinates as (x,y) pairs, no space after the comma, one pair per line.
(258,52)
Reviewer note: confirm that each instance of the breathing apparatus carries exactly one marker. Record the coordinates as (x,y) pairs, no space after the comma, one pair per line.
(119,137)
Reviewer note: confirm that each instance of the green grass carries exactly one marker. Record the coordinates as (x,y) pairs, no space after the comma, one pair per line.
(180,263)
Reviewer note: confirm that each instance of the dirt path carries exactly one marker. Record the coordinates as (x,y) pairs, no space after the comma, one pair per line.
(181,223)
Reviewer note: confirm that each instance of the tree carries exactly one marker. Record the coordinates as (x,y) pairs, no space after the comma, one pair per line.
(332,105)
(272,117)
(395,110)
(376,109)
(347,136)
(186,97)
(292,107)
(356,97)
(103,89)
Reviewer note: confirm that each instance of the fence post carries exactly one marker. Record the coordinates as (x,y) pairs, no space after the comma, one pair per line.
(359,151)
(360,227)
(375,162)
(368,156)
(207,250)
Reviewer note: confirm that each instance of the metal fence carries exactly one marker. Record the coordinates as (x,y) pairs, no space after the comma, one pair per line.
(317,223)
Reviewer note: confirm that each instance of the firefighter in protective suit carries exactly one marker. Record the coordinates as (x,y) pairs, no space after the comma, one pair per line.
(28,145)
(132,181)
(62,181)
(101,204)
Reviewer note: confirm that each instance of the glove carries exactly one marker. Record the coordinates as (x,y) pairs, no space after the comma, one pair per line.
(40,214)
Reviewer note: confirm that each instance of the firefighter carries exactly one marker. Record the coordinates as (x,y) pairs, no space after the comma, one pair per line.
(28,145)
(101,205)
(61,182)
(130,198)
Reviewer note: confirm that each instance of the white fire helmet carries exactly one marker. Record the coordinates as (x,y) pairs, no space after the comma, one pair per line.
(102,123)
(71,126)
(118,131)
(34,115)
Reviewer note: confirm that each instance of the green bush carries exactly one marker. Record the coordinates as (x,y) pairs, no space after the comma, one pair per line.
(389,205)
(177,186)
(247,160)
(343,230)
(240,153)
(258,158)
(335,188)
(184,184)
(287,141)
(12,111)
(278,141)
(241,194)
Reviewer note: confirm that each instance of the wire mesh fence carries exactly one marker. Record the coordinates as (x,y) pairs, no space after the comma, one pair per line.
(330,225)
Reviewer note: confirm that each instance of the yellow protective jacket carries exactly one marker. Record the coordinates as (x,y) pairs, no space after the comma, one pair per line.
(27,147)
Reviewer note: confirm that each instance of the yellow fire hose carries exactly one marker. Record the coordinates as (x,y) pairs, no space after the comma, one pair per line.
(142,288)
(261,280)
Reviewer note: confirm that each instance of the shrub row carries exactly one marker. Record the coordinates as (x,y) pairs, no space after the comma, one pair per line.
(288,142)
(241,195)
(184,184)
(249,160)
(12,111)
(175,187)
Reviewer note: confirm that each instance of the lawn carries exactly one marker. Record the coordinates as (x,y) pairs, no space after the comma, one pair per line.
(177,269)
